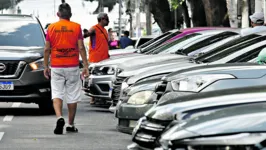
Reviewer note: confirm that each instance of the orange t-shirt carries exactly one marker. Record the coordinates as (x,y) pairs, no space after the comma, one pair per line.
(98,45)
(63,36)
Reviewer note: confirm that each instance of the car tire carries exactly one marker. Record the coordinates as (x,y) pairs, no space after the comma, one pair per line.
(46,107)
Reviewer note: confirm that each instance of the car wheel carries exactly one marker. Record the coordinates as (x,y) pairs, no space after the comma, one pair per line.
(46,107)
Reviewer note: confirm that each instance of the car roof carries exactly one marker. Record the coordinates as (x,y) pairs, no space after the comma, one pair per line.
(17,17)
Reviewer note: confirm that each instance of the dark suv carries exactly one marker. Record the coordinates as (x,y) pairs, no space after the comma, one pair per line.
(22,41)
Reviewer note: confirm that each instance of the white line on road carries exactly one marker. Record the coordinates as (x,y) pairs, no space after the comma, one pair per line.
(8,118)
(1,135)
(16,105)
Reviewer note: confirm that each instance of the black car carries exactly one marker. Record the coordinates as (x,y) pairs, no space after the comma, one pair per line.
(22,41)
(237,127)
(222,79)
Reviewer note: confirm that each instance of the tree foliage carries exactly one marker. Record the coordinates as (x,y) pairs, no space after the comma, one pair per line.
(104,3)
(5,4)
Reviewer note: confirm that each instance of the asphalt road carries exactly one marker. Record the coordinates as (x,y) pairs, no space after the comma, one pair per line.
(23,128)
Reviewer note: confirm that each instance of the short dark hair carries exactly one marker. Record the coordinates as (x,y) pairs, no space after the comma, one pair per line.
(126,33)
(101,15)
(110,29)
(65,10)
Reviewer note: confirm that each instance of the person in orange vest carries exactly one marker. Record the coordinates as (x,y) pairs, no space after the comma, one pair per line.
(98,39)
(64,44)
(99,43)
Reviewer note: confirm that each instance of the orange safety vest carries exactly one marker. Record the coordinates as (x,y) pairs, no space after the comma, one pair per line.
(98,45)
(63,36)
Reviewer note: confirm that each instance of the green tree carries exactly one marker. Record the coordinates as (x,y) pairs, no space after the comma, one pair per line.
(5,4)
(103,3)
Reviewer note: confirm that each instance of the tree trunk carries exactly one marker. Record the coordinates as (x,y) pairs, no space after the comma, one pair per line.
(161,12)
(216,13)
(198,13)
(186,15)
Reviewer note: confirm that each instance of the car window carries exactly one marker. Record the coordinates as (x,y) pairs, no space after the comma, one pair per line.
(209,41)
(173,43)
(159,42)
(142,41)
(249,55)
(21,33)
(231,50)
(233,44)
(156,39)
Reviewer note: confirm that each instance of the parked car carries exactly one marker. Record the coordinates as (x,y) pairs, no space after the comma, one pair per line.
(240,78)
(148,61)
(129,112)
(237,127)
(145,44)
(22,42)
(138,42)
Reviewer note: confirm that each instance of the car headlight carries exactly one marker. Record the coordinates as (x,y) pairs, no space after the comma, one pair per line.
(197,82)
(140,97)
(37,65)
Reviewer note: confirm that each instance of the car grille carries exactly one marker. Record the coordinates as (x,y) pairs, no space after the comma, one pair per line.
(149,132)
(11,67)
(160,89)
(117,89)
(216,147)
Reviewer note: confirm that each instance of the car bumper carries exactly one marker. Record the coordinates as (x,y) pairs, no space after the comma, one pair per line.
(99,86)
(31,86)
(129,114)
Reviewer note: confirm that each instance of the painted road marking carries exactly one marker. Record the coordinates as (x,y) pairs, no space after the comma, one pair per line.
(8,118)
(1,135)
(14,105)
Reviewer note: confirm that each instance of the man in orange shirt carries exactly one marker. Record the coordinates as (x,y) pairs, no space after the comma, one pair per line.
(64,42)
(98,39)
(99,45)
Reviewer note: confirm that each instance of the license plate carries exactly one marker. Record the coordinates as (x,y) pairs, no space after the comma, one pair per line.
(132,123)
(5,86)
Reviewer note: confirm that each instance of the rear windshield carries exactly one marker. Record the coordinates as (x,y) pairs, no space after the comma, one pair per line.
(173,43)
(229,48)
(21,33)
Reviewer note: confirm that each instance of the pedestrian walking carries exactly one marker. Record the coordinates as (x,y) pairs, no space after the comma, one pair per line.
(64,44)
(99,45)
(125,41)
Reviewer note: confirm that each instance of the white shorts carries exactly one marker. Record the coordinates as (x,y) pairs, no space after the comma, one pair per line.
(66,84)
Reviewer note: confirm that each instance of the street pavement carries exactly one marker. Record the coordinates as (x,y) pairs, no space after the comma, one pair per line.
(23,128)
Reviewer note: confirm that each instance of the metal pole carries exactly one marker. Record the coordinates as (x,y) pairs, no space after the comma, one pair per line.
(264,9)
(119,21)
(148,18)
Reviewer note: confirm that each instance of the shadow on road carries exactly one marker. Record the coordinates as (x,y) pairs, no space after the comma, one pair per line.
(20,112)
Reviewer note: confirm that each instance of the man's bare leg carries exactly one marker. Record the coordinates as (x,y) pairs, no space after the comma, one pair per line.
(72,108)
(58,105)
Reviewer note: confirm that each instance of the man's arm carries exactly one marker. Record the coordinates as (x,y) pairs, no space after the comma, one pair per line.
(83,54)
(88,33)
(47,52)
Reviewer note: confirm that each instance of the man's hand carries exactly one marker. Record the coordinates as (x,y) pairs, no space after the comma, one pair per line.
(85,72)
(47,73)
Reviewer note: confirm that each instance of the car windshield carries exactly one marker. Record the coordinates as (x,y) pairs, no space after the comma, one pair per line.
(174,43)
(229,48)
(21,33)
(158,42)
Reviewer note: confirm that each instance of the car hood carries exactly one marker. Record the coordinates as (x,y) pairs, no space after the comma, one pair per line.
(118,52)
(240,119)
(177,104)
(135,70)
(27,54)
(159,70)
(239,70)
(137,60)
